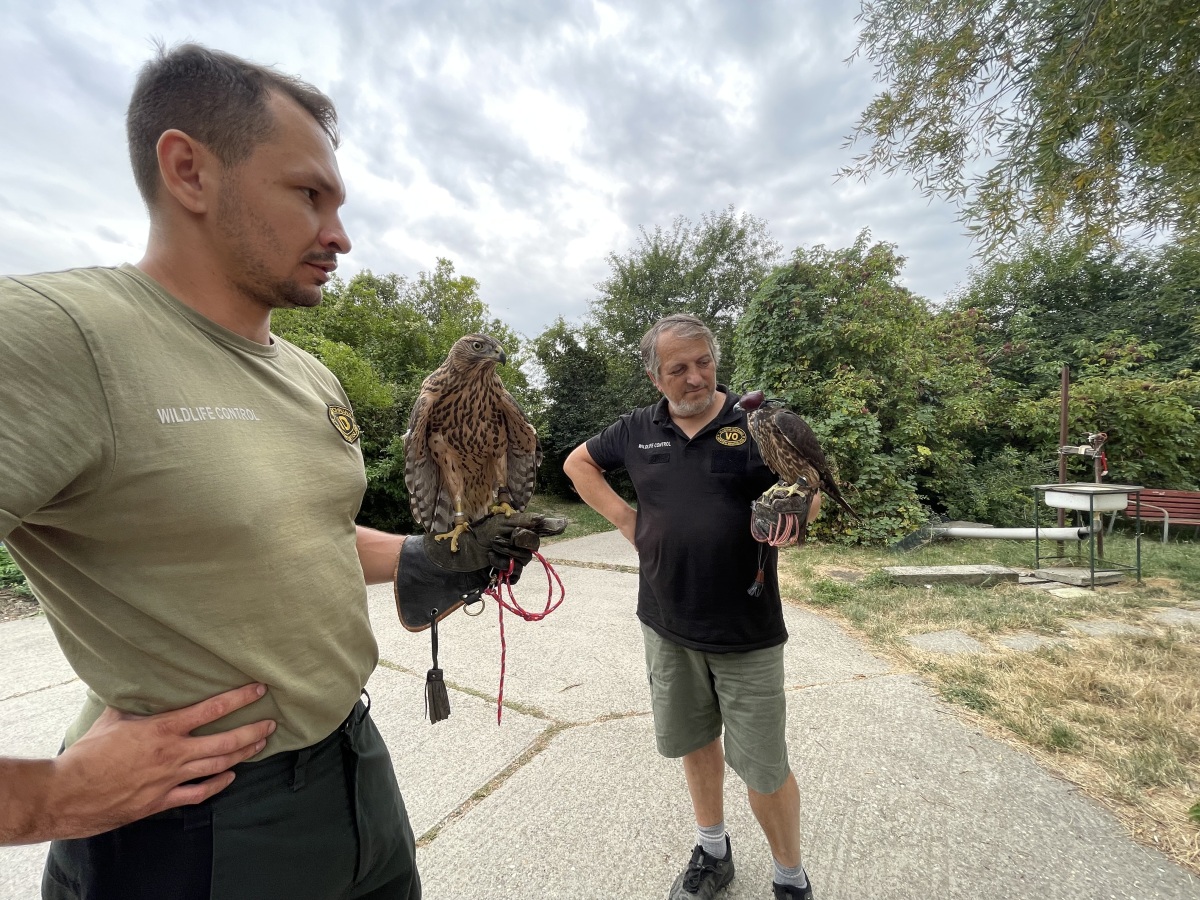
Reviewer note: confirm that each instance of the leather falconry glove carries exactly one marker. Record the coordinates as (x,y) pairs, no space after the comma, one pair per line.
(432,581)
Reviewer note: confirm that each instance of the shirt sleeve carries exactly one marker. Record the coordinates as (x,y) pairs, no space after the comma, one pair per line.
(56,438)
(607,449)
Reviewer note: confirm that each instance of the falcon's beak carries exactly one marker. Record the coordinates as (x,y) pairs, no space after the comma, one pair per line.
(503,358)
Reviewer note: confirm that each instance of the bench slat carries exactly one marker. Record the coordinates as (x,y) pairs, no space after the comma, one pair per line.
(1168,507)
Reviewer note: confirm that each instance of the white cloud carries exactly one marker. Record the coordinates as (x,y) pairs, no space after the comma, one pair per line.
(525,141)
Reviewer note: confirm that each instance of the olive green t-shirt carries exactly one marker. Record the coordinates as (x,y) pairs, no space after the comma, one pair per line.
(182,501)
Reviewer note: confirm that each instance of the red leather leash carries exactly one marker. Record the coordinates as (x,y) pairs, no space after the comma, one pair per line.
(496,592)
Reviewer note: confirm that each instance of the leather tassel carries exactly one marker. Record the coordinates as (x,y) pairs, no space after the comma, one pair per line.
(756,589)
(437,699)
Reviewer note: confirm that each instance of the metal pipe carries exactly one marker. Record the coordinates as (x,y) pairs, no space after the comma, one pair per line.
(1019,534)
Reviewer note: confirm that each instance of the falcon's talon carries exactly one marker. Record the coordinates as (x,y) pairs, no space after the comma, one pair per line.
(502,507)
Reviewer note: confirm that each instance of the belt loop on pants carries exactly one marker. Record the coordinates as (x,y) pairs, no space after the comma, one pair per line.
(302,758)
(357,715)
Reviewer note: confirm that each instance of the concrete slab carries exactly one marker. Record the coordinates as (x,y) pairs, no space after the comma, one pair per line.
(32,725)
(1080,577)
(585,660)
(886,775)
(899,793)
(978,575)
(607,548)
(1026,641)
(471,750)
(1180,618)
(1071,593)
(31,659)
(952,642)
(1103,628)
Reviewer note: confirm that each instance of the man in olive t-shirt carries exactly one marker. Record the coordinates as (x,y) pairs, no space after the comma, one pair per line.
(180,488)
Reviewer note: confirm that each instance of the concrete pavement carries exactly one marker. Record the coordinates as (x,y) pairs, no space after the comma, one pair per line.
(568,798)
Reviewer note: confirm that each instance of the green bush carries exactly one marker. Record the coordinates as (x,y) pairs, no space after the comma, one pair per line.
(11,577)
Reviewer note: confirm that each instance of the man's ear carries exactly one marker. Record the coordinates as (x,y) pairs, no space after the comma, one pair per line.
(187,169)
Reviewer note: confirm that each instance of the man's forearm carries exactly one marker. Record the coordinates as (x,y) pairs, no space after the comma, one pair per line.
(25,788)
(377,553)
(593,488)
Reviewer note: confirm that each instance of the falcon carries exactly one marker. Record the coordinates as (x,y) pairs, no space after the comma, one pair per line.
(791,451)
(469,450)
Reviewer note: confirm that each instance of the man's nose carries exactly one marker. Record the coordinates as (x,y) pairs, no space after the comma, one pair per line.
(335,237)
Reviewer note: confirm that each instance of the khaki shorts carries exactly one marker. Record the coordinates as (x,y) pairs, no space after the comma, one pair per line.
(695,694)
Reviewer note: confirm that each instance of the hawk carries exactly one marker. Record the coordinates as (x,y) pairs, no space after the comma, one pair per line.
(469,450)
(791,451)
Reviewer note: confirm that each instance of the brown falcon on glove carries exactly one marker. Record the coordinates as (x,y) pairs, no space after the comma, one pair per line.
(791,450)
(470,450)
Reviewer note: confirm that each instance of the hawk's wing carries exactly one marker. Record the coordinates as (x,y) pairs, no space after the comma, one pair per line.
(524,451)
(799,442)
(798,438)
(430,504)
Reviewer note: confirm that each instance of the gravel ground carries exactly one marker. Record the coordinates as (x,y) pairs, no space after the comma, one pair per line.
(13,606)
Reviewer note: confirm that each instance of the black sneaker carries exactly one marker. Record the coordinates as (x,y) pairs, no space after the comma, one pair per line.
(704,875)
(791,892)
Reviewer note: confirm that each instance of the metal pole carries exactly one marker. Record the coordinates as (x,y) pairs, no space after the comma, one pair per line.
(1063,427)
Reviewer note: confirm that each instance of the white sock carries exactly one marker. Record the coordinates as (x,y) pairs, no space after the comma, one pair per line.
(712,839)
(786,875)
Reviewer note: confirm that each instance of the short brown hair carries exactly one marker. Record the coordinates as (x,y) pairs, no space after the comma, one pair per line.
(687,327)
(214,97)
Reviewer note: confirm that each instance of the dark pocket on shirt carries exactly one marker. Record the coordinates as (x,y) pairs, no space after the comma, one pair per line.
(729,462)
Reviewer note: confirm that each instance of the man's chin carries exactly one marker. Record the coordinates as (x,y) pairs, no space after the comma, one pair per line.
(691,408)
(296,296)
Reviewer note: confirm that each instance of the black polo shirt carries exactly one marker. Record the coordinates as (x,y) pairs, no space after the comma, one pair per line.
(696,553)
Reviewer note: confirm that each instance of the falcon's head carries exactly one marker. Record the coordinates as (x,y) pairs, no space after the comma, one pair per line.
(477,350)
(753,400)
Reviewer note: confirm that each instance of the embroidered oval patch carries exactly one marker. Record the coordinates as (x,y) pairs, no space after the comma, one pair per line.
(343,421)
(731,436)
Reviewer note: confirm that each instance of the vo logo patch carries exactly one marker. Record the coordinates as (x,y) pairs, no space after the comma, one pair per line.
(731,436)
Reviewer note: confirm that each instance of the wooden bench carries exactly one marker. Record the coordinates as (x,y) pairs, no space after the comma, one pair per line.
(1169,507)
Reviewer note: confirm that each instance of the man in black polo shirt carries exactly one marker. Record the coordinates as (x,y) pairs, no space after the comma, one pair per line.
(714,653)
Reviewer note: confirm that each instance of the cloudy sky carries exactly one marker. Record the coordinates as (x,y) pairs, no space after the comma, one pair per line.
(525,141)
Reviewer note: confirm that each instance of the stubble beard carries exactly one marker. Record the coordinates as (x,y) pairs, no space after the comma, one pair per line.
(253,279)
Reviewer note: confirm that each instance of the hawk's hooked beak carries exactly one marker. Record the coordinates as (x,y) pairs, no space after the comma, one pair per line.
(503,358)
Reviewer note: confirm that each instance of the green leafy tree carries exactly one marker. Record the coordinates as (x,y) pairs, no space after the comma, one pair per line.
(593,372)
(891,390)
(709,269)
(1125,324)
(574,362)
(1058,115)
(1057,303)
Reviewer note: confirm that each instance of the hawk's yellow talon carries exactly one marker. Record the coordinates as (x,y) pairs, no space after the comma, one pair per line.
(504,508)
(453,534)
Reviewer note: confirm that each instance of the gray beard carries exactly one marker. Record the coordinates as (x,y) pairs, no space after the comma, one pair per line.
(693,408)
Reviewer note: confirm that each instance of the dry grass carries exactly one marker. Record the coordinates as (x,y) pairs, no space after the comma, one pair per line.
(1119,716)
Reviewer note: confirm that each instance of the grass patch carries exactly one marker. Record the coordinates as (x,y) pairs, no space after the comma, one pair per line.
(1120,716)
(582,519)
